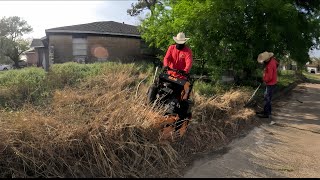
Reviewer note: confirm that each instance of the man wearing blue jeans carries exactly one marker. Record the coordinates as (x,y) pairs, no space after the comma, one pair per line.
(267,98)
(270,79)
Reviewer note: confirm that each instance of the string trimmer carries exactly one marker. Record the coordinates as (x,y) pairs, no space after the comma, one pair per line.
(254,93)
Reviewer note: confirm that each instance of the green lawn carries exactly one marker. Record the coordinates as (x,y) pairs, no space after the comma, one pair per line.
(312,77)
(286,77)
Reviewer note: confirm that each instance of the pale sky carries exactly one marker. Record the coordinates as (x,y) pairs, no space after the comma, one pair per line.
(45,14)
(315,53)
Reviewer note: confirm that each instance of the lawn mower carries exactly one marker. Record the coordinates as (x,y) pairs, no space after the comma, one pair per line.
(173,94)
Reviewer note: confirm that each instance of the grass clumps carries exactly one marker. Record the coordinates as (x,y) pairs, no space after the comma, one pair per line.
(98,127)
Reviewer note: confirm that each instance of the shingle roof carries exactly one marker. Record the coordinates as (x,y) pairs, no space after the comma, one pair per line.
(103,27)
(312,65)
(30,51)
(36,43)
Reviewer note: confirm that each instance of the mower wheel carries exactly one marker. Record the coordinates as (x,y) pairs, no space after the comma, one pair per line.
(152,94)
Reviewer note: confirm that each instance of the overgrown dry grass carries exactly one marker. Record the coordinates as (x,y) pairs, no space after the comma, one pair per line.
(101,129)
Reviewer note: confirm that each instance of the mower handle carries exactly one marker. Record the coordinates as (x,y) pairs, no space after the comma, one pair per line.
(183,73)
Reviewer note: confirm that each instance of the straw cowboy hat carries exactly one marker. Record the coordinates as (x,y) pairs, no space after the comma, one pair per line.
(180,38)
(265,56)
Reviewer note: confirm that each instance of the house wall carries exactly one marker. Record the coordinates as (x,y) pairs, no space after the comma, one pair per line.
(42,57)
(288,67)
(310,68)
(32,58)
(62,47)
(119,48)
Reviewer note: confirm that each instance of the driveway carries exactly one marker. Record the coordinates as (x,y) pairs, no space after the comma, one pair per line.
(290,148)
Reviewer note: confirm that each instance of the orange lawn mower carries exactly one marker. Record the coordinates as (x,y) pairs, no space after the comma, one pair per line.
(173,94)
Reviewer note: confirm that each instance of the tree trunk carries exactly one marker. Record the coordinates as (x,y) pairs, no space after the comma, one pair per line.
(16,63)
(299,69)
(203,63)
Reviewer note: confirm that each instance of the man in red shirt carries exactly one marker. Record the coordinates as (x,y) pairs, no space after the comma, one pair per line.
(270,79)
(178,56)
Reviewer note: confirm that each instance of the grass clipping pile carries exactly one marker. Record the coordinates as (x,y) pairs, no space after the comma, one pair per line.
(101,129)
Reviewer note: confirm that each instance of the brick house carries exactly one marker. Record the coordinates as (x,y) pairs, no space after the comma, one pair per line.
(36,55)
(88,43)
(313,66)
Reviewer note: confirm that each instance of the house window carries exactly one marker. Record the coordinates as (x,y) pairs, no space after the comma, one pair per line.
(79,46)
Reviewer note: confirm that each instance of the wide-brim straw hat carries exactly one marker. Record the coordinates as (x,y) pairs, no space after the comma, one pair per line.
(265,56)
(180,38)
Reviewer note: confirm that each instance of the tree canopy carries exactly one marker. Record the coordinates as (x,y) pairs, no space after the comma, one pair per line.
(229,34)
(12,45)
(141,5)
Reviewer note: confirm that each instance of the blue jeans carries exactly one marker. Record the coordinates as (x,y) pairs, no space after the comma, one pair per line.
(267,98)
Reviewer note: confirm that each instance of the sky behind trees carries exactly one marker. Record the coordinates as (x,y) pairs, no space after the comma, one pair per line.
(43,15)
(47,14)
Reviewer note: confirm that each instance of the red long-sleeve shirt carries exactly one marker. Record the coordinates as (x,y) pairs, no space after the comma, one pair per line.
(270,72)
(178,59)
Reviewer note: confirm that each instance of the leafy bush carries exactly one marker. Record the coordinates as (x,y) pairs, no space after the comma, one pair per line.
(34,85)
(210,89)
(203,88)
(285,78)
(71,73)
(18,86)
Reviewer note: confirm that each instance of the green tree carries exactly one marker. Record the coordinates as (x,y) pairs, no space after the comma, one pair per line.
(141,5)
(231,33)
(12,45)
(4,59)
(157,28)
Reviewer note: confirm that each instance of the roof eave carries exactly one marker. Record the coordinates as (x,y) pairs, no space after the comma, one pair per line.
(37,46)
(91,32)
(31,50)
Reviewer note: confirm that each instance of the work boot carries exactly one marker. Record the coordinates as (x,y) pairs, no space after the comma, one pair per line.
(263,116)
(269,117)
(271,120)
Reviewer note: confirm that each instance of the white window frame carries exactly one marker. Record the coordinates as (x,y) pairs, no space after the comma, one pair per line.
(79,46)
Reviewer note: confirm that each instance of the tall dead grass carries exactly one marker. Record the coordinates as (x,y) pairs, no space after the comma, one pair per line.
(101,129)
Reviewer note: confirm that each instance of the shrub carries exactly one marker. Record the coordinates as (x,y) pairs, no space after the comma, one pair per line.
(24,85)
(209,89)
(34,85)
(71,73)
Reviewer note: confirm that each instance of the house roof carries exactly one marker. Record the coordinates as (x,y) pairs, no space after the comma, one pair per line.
(103,27)
(36,43)
(312,65)
(29,51)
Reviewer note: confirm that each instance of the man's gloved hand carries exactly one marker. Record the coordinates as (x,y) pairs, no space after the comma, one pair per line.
(182,72)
